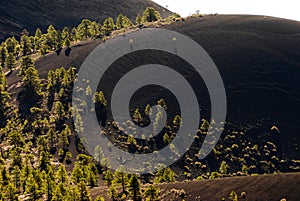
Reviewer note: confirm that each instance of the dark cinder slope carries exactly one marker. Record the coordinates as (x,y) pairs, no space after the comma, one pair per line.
(19,14)
(258,59)
(258,188)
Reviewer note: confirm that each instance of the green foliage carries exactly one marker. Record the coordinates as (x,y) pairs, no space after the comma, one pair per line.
(86,30)
(32,82)
(148,110)
(3,54)
(123,22)
(233,196)
(26,45)
(108,26)
(177,121)
(12,45)
(16,139)
(38,39)
(112,193)
(64,136)
(214,175)
(166,138)
(121,178)
(51,39)
(99,198)
(152,193)
(4,99)
(10,61)
(137,117)
(151,15)
(134,188)
(61,174)
(223,167)
(32,187)
(166,175)
(162,103)
(108,177)
(205,125)
(139,19)
(27,62)
(99,98)
(77,173)
(84,193)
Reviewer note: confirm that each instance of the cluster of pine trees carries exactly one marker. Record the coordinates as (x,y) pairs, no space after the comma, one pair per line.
(12,49)
(36,131)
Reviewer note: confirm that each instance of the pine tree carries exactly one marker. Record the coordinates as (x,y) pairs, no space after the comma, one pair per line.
(4,99)
(3,54)
(134,187)
(108,177)
(165,175)
(5,176)
(16,174)
(51,134)
(120,22)
(177,121)
(64,136)
(223,167)
(121,178)
(73,35)
(52,37)
(94,29)
(50,183)
(139,20)
(32,188)
(11,193)
(26,45)
(108,26)
(27,62)
(92,179)
(99,98)
(38,39)
(67,43)
(166,138)
(84,193)
(59,40)
(12,44)
(112,193)
(151,15)
(152,193)
(61,174)
(10,61)
(137,117)
(44,160)
(148,110)
(32,82)
(83,29)
(77,173)
(16,139)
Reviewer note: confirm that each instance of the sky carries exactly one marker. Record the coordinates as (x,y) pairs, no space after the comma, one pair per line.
(288,9)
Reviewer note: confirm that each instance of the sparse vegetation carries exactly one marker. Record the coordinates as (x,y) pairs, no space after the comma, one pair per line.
(36,155)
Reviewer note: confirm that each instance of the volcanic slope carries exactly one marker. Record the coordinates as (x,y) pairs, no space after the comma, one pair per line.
(19,14)
(258,58)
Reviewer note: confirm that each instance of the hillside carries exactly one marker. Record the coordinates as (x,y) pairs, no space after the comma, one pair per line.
(42,157)
(258,188)
(258,59)
(18,15)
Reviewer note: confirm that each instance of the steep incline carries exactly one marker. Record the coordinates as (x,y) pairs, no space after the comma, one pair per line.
(19,14)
